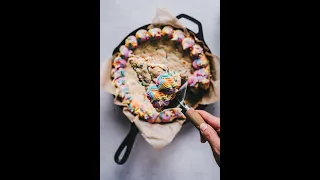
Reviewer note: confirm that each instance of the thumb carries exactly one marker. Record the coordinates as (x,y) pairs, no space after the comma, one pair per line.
(211,136)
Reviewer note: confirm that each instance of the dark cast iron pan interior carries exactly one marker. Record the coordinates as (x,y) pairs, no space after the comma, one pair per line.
(127,143)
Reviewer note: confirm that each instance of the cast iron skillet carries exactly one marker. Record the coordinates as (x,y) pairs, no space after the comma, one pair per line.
(127,143)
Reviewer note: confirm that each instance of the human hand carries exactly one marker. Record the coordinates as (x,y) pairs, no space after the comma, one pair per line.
(211,132)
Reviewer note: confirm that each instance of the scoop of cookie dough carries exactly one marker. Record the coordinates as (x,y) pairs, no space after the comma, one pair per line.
(168,82)
(178,36)
(168,115)
(142,107)
(118,62)
(158,99)
(117,73)
(203,72)
(196,51)
(200,62)
(122,91)
(118,82)
(124,52)
(131,42)
(155,33)
(187,43)
(142,35)
(167,32)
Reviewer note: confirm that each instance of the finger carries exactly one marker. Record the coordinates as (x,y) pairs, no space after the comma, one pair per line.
(202,139)
(218,131)
(210,119)
(211,136)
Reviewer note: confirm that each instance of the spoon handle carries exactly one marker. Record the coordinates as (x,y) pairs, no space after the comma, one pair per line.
(194,117)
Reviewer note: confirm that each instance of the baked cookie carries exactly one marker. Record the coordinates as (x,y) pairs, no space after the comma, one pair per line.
(158,67)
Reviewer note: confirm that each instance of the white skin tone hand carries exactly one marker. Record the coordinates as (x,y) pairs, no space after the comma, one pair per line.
(210,131)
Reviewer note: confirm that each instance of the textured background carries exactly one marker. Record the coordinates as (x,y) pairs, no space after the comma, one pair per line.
(185,158)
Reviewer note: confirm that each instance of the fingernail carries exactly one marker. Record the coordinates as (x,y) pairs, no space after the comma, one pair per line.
(203,127)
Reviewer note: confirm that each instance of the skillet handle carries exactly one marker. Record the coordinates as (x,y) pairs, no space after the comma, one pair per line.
(200,33)
(126,144)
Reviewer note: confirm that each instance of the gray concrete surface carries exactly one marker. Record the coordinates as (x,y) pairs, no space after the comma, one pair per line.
(185,158)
